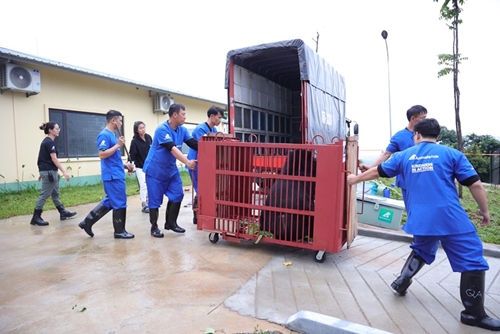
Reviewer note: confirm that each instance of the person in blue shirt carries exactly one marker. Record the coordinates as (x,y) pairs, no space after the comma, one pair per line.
(400,141)
(214,115)
(435,216)
(162,174)
(113,179)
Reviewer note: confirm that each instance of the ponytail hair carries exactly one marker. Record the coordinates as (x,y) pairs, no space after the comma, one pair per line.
(47,126)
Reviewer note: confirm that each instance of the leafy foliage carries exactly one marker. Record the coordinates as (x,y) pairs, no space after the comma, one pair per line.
(485,143)
(490,233)
(449,11)
(475,147)
(447,60)
(480,163)
(448,137)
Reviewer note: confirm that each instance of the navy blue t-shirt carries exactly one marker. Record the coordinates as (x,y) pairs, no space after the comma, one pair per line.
(47,147)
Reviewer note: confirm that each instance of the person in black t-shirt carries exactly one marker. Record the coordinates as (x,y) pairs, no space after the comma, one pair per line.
(48,166)
(139,148)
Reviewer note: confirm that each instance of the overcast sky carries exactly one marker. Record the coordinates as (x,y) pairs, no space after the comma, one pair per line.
(183,45)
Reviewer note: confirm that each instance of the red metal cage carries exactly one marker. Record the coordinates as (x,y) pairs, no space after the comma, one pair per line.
(287,194)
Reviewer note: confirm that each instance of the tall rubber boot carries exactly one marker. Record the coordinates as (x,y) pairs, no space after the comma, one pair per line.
(411,267)
(171,217)
(37,219)
(472,294)
(169,205)
(153,219)
(195,213)
(97,213)
(63,213)
(119,218)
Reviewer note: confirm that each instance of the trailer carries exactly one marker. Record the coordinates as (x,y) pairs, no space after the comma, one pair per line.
(280,174)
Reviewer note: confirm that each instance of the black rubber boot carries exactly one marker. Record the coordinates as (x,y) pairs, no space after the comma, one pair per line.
(412,266)
(171,217)
(169,204)
(472,289)
(63,213)
(153,219)
(97,213)
(37,219)
(195,212)
(119,218)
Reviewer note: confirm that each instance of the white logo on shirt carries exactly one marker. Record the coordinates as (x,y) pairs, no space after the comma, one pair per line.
(414,157)
(419,168)
(167,136)
(53,148)
(102,143)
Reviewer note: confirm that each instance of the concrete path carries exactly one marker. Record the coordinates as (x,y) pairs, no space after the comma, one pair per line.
(56,279)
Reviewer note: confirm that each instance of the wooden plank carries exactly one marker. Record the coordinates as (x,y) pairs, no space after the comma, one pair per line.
(351,166)
(372,309)
(492,300)
(354,285)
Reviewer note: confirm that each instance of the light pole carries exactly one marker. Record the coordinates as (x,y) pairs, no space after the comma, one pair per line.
(384,36)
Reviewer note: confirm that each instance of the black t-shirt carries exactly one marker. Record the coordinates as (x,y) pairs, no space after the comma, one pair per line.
(139,149)
(44,160)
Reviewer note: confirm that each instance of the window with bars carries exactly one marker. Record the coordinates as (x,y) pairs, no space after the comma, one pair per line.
(79,131)
(266,126)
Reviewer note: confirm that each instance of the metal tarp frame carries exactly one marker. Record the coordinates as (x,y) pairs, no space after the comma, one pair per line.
(311,67)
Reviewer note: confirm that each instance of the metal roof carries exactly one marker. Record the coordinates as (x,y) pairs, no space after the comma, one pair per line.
(34,60)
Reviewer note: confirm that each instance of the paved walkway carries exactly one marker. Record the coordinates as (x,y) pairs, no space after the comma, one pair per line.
(354,285)
(56,279)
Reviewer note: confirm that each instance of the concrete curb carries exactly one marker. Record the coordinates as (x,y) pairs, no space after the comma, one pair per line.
(310,322)
(489,249)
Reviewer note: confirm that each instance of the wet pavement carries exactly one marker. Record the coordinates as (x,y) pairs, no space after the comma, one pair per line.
(56,279)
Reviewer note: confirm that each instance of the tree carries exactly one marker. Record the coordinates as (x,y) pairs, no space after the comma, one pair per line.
(480,162)
(486,144)
(448,137)
(475,147)
(450,11)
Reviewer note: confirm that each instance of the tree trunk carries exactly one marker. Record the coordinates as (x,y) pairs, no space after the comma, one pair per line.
(456,90)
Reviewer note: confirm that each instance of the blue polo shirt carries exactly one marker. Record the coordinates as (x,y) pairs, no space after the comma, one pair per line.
(400,142)
(198,132)
(111,167)
(433,206)
(160,162)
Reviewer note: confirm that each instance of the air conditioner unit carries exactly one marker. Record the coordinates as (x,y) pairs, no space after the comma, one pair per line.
(163,103)
(19,78)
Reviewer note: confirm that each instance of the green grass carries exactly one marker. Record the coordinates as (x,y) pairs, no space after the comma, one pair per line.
(23,202)
(490,233)
(17,203)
